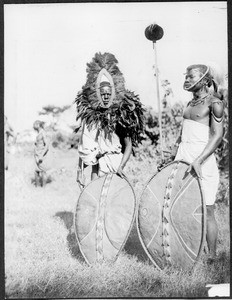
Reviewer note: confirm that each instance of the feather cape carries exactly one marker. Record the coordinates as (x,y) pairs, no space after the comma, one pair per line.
(126,110)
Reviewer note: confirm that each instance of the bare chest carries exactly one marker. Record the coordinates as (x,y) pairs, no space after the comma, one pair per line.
(199,113)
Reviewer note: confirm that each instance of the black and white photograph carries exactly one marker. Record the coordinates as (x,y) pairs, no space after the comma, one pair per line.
(116,150)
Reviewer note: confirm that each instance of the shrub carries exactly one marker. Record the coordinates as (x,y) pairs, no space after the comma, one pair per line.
(59,140)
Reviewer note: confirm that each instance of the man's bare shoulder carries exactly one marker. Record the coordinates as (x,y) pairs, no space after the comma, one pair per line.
(217,106)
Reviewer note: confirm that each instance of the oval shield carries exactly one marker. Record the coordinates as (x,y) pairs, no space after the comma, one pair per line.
(104,216)
(171,217)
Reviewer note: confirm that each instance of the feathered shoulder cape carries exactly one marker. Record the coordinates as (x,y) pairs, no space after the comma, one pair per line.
(126,110)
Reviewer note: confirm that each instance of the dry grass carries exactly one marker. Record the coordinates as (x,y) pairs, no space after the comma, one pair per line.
(43,260)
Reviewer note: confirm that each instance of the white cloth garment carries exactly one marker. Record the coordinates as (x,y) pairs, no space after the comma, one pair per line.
(88,147)
(94,142)
(110,146)
(194,139)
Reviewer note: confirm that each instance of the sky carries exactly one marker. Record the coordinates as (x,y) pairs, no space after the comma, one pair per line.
(47,47)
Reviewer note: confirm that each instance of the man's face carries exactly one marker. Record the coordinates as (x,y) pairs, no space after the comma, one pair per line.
(36,126)
(191,80)
(105,92)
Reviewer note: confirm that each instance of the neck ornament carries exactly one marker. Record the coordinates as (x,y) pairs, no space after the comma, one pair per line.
(198,100)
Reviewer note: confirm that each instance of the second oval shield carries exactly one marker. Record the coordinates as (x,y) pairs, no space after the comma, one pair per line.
(171,217)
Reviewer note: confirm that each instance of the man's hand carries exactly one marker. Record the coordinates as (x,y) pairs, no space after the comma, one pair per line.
(39,159)
(100,155)
(196,166)
(120,172)
(170,152)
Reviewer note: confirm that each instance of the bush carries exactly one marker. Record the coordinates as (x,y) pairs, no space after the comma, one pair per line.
(60,140)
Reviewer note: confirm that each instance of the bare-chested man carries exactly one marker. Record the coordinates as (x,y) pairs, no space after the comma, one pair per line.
(201,134)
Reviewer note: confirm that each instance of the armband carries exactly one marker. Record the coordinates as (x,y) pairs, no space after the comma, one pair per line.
(217,112)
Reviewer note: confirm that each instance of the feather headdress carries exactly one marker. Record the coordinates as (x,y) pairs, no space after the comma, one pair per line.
(125,110)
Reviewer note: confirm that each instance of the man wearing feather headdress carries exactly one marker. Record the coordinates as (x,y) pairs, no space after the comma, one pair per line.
(201,134)
(110,119)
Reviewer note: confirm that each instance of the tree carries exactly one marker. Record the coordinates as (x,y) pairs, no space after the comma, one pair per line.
(53,110)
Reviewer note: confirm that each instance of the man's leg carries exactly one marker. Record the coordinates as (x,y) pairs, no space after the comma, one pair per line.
(211,230)
(37,178)
(43,178)
(94,174)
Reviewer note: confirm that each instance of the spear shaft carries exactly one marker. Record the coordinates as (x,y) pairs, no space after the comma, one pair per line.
(154,32)
(158,99)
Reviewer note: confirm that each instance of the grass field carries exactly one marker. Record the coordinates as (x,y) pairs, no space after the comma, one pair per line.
(42,258)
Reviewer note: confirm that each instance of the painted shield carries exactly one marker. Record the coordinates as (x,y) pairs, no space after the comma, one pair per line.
(104,217)
(171,217)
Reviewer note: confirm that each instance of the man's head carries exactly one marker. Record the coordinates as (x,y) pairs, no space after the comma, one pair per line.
(37,125)
(197,76)
(105,89)
(105,92)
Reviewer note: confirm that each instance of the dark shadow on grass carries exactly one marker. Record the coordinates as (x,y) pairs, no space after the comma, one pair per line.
(67,218)
(133,245)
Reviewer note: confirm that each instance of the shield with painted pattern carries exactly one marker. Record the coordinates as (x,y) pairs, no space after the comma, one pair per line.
(171,219)
(104,216)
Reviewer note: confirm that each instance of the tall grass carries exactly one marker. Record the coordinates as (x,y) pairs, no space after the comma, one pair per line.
(42,258)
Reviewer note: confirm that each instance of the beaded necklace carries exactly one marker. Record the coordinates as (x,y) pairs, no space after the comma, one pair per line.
(198,100)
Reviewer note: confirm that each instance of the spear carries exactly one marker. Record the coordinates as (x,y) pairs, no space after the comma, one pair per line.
(154,33)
